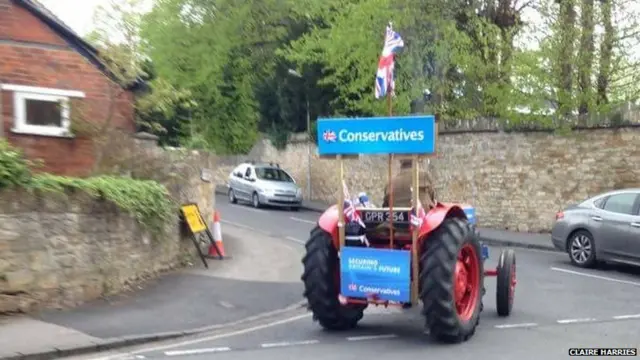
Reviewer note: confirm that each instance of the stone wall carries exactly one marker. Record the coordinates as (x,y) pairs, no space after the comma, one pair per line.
(516,181)
(60,251)
(183,172)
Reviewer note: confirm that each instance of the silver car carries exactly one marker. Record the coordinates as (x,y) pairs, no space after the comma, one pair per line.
(264,184)
(604,228)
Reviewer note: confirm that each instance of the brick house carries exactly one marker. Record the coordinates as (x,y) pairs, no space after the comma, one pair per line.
(46,72)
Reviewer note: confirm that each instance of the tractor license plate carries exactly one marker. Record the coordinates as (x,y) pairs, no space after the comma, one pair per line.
(485,252)
(382,216)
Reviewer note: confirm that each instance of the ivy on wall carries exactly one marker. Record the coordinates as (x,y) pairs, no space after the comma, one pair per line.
(147,201)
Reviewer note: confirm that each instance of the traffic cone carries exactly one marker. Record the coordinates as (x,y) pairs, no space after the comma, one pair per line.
(217,237)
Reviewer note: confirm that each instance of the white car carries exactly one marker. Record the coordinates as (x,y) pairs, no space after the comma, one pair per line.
(264,184)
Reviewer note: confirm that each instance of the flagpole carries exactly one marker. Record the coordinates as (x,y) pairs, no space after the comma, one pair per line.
(390,174)
(390,164)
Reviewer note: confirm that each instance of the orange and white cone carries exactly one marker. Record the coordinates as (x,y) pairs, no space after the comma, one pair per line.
(217,237)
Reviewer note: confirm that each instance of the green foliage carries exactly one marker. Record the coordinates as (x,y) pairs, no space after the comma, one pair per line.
(147,201)
(15,169)
(206,51)
(116,33)
(234,58)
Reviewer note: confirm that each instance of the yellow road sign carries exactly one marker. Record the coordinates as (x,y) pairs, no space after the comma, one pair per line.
(193,218)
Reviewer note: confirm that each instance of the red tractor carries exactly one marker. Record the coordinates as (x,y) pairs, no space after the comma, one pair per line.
(382,257)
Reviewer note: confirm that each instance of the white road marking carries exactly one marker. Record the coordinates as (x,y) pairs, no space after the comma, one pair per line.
(289,343)
(312,342)
(303,220)
(596,276)
(625,317)
(574,321)
(511,326)
(196,351)
(371,337)
(291,238)
(213,337)
(226,304)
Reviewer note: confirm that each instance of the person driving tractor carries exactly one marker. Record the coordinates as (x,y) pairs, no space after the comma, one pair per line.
(402,184)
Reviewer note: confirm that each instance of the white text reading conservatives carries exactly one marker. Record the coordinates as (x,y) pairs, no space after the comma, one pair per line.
(374,136)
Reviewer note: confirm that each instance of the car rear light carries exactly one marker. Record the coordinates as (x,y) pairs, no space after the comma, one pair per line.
(559,215)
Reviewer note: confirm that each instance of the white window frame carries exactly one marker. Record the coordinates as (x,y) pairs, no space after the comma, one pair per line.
(22,93)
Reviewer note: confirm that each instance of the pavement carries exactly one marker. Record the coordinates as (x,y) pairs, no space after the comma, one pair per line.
(496,237)
(260,279)
(556,307)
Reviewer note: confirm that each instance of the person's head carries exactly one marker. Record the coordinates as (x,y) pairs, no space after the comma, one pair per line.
(405,164)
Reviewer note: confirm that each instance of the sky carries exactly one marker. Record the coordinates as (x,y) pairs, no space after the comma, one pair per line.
(78,14)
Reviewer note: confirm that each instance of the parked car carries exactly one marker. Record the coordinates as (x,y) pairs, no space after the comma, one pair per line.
(604,228)
(264,184)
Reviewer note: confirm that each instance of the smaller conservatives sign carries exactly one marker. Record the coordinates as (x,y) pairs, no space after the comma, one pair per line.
(379,135)
(383,273)
(470,211)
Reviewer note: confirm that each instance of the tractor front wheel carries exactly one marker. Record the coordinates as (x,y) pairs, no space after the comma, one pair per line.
(451,281)
(322,284)
(506,282)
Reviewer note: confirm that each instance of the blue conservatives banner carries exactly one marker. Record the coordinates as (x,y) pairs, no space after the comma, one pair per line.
(381,272)
(379,135)
(470,211)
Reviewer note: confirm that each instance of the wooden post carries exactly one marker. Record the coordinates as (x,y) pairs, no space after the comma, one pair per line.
(341,227)
(414,248)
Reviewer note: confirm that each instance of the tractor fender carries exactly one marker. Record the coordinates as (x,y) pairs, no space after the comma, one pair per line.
(329,222)
(436,216)
(329,219)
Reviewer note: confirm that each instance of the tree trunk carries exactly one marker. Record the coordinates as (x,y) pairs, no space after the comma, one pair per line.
(567,32)
(585,56)
(606,49)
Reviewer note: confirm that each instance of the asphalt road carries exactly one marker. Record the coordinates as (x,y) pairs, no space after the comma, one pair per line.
(557,307)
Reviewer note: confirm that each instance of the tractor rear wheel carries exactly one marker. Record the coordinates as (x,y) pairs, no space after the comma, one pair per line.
(322,284)
(451,281)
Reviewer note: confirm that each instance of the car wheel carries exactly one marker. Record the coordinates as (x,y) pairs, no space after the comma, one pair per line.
(255,200)
(581,249)
(232,196)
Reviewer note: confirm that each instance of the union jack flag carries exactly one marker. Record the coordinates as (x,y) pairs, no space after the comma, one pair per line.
(329,136)
(417,215)
(384,77)
(350,211)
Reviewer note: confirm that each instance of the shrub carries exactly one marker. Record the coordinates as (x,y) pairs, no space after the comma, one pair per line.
(15,169)
(147,201)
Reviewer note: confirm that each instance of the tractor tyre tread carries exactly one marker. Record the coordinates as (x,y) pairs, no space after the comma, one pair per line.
(320,288)
(437,266)
(504,304)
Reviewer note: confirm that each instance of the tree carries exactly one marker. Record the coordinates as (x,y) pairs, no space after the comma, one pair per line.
(219,51)
(573,69)
(116,34)
(565,55)
(235,57)
(585,56)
